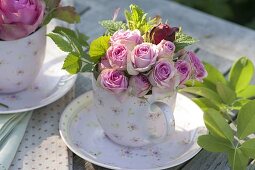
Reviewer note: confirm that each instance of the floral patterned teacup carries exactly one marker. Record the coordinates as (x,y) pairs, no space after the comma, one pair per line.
(134,121)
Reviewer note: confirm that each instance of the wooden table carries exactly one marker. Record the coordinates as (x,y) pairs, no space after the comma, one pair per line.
(221,42)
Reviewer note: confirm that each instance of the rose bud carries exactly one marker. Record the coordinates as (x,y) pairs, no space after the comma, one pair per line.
(117,56)
(20,18)
(166,49)
(163,74)
(197,66)
(113,81)
(103,64)
(139,85)
(127,37)
(163,32)
(183,69)
(142,58)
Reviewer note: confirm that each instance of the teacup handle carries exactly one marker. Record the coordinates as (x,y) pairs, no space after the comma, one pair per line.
(168,117)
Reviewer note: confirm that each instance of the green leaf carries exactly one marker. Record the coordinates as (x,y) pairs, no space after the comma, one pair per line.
(61,42)
(205,103)
(241,74)
(83,39)
(214,75)
(238,104)
(204,92)
(237,159)
(246,120)
(98,47)
(249,92)
(137,19)
(87,68)
(51,4)
(213,144)
(66,13)
(182,40)
(248,147)
(72,63)
(217,125)
(72,38)
(112,26)
(227,95)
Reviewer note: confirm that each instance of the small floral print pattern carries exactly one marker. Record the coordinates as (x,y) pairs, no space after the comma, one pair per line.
(154,115)
(132,127)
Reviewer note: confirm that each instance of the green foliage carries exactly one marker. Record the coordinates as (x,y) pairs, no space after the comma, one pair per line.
(75,44)
(182,40)
(137,19)
(246,120)
(98,47)
(219,98)
(112,26)
(241,74)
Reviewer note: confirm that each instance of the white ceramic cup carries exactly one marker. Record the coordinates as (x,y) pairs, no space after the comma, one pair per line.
(134,122)
(21,61)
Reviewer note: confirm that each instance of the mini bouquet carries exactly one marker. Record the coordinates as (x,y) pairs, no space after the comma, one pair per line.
(140,57)
(19,19)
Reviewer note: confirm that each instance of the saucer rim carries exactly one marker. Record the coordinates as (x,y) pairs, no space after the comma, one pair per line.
(86,158)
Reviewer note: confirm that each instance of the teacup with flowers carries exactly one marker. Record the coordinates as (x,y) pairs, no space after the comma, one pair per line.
(23,39)
(138,67)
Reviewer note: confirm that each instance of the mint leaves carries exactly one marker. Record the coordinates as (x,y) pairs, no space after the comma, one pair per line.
(220,98)
(75,44)
(137,19)
(112,26)
(98,47)
(182,40)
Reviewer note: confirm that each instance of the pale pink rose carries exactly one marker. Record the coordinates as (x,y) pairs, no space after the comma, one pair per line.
(142,58)
(117,56)
(127,37)
(139,85)
(113,81)
(103,64)
(163,74)
(19,18)
(166,49)
(183,69)
(197,66)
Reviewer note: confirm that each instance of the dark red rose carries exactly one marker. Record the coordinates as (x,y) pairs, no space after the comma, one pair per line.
(163,31)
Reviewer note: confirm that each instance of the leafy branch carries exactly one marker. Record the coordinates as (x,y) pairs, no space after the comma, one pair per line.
(220,99)
(64,13)
(75,44)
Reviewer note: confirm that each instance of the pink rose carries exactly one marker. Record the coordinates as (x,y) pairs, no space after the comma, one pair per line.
(117,56)
(164,75)
(142,58)
(103,64)
(139,85)
(113,80)
(197,66)
(129,38)
(19,18)
(184,69)
(166,49)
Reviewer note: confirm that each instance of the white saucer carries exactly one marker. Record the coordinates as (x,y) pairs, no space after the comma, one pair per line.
(82,133)
(51,84)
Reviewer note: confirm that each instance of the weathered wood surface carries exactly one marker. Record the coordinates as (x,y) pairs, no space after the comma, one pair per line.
(221,42)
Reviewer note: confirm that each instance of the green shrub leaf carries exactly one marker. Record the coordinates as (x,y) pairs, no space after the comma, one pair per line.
(248,92)
(98,47)
(205,103)
(72,63)
(61,42)
(237,159)
(112,26)
(204,92)
(227,95)
(248,147)
(241,74)
(182,40)
(246,120)
(217,125)
(213,144)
